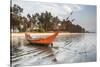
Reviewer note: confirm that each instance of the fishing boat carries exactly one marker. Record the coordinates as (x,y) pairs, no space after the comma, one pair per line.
(41,41)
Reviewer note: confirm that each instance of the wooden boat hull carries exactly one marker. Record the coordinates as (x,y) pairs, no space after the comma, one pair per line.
(41,41)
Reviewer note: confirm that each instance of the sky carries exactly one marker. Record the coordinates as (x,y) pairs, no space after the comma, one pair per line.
(84,15)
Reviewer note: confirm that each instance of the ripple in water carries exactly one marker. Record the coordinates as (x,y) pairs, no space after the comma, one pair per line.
(66,49)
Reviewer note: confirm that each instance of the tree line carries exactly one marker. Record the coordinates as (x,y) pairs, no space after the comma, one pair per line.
(40,22)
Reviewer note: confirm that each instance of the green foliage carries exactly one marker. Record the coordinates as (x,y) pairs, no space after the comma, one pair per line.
(41,22)
(41,30)
(17,9)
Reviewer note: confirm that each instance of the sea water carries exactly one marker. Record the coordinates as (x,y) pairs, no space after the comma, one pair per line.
(74,48)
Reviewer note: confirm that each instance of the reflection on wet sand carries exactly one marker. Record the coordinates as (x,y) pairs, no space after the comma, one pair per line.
(32,54)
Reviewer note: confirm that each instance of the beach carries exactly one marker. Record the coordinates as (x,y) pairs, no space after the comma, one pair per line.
(67,48)
(23,34)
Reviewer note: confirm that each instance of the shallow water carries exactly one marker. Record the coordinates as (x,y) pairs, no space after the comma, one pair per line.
(66,49)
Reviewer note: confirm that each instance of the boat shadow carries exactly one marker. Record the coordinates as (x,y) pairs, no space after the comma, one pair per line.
(38,45)
(44,51)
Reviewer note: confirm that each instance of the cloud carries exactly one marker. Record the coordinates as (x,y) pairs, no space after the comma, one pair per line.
(57,9)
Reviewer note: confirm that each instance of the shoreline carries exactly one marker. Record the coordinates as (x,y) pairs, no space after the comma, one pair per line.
(23,34)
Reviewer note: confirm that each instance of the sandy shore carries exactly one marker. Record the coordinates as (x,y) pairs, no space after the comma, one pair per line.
(23,34)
